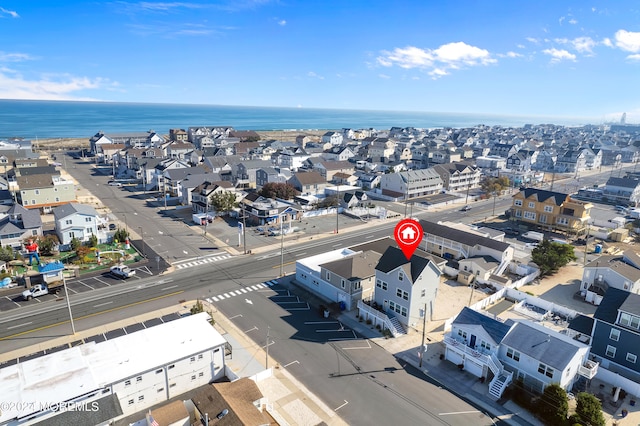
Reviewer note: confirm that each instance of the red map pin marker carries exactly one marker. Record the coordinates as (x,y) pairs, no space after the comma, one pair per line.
(408,235)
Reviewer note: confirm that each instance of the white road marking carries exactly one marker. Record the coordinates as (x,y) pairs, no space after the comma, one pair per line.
(232,293)
(226,295)
(215,299)
(19,325)
(458,412)
(255,287)
(249,289)
(248,301)
(102,304)
(292,362)
(336,245)
(320,322)
(251,329)
(235,316)
(345,403)
(173,286)
(359,347)
(243,290)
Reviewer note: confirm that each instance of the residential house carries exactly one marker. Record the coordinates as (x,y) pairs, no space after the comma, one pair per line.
(406,289)
(520,161)
(624,191)
(334,138)
(367,180)
(505,351)
(411,184)
(178,135)
(343,277)
(615,335)
(157,177)
(180,150)
(258,210)
(458,176)
(17,224)
(292,159)
(173,178)
(44,191)
(266,175)
(201,195)
(246,172)
(479,251)
(610,271)
(328,169)
(504,150)
(380,150)
(444,156)
(338,153)
(492,162)
(344,179)
(191,181)
(309,182)
(546,160)
(571,161)
(550,210)
(73,220)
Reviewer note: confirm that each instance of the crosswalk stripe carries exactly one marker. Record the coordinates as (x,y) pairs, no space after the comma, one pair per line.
(255,287)
(232,293)
(273,282)
(243,290)
(260,285)
(249,289)
(226,295)
(208,299)
(215,299)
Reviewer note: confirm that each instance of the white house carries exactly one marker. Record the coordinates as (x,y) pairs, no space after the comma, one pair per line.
(621,272)
(74,220)
(117,377)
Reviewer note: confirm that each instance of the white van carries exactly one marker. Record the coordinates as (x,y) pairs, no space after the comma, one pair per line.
(533,235)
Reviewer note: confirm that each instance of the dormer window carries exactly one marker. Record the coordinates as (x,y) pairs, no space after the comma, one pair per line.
(629,320)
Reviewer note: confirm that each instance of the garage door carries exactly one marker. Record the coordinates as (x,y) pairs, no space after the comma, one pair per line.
(473,367)
(454,357)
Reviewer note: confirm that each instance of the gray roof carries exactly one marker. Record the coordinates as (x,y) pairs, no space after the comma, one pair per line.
(615,300)
(622,182)
(496,329)
(72,208)
(459,236)
(179,174)
(108,408)
(393,257)
(543,346)
(361,265)
(616,264)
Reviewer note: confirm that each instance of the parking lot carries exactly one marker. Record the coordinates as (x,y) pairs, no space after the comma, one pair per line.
(14,299)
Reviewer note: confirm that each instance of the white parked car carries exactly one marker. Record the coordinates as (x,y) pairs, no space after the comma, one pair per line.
(122,271)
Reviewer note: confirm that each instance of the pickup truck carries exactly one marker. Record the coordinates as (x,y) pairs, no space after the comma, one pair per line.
(35,291)
(122,271)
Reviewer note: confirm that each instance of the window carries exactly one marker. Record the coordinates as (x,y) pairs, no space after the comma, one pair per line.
(514,355)
(423,293)
(403,311)
(200,374)
(384,285)
(37,192)
(379,283)
(130,402)
(200,356)
(517,203)
(547,371)
(357,285)
(172,385)
(543,218)
(518,213)
(160,390)
(614,334)
(343,283)
(328,275)
(57,199)
(33,201)
(139,379)
(193,358)
(562,221)
(72,235)
(127,382)
(530,215)
(631,358)
(159,371)
(400,276)
(484,345)
(462,334)
(87,219)
(532,205)
(171,366)
(548,209)
(629,321)
(611,351)
(193,377)
(399,292)
(141,398)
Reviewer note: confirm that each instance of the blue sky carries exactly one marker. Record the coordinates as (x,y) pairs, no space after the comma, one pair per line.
(545,58)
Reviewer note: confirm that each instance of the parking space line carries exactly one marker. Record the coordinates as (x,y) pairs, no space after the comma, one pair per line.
(320,322)
(13,301)
(86,285)
(292,362)
(70,289)
(100,281)
(359,347)
(251,329)
(297,309)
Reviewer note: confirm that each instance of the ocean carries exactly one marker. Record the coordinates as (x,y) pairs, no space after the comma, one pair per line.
(53,119)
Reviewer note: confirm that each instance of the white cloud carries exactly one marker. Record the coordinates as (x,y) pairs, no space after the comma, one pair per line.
(511,55)
(314,75)
(607,42)
(11,13)
(520,46)
(386,77)
(581,44)
(437,61)
(14,57)
(532,40)
(436,73)
(53,87)
(558,55)
(282,22)
(634,57)
(562,18)
(573,21)
(628,40)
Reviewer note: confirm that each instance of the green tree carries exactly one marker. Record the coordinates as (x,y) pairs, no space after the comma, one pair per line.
(495,184)
(588,410)
(550,256)
(6,254)
(285,191)
(223,201)
(75,243)
(47,243)
(553,406)
(93,241)
(120,235)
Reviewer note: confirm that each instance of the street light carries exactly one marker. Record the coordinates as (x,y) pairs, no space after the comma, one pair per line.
(66,296)
(281,247)
(142,238)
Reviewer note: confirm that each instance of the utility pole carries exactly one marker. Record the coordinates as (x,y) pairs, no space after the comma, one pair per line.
(337,211)
(281,248)
(66,296)
(244,230)
(424,327)
(586,244)
(266,360)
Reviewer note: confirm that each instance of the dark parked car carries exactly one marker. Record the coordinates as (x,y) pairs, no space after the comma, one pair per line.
(465,208)
(112,227)
(512,232)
